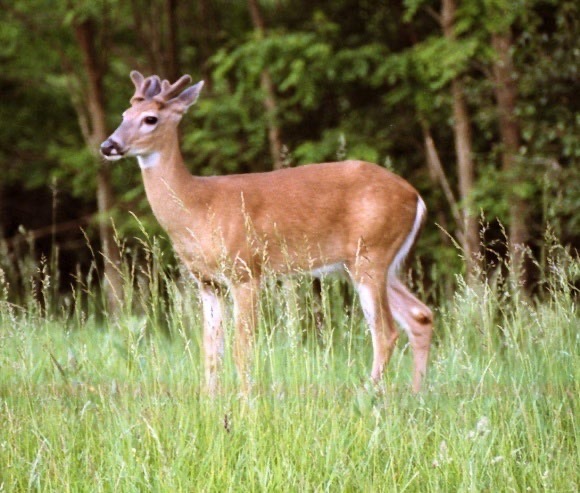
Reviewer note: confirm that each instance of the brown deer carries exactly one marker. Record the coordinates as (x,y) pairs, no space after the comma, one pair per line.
(351,216)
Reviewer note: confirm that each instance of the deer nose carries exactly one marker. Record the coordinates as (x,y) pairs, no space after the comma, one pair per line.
(110,148)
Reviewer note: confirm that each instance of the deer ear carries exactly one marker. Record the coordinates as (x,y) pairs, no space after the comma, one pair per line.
(188,97)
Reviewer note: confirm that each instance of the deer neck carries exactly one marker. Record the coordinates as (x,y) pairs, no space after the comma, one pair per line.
(168,183)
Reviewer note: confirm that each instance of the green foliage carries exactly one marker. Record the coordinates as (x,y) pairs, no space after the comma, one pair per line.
(351,80)
(334,146)
(411,8)
(438,61)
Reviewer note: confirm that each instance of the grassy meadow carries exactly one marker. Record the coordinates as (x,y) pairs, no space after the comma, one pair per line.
(95,403)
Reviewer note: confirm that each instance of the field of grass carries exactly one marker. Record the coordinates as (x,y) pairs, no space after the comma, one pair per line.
(90,403)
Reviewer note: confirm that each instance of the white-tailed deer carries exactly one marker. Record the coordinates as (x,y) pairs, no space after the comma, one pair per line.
(349,216)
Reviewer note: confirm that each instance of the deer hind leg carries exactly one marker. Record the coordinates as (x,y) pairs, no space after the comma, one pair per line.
(213,334)
(380,321)
(245,297)
(417,321)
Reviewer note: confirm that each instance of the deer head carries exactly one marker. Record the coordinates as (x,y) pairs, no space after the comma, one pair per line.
(156,109)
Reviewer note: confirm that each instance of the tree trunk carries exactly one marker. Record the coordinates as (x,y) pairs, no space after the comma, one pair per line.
(97,133)
(2,214)
(437,174)
(270,104)
(148,25)
(463,151)
(172,52)
(465,175)
(506,96)
(205,38)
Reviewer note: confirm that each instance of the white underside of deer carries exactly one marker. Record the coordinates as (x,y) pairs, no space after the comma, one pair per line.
(351,216)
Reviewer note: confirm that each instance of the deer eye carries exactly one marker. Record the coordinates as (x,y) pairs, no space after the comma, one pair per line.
(150,120)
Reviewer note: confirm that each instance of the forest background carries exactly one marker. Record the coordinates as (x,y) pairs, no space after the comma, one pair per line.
(475,103)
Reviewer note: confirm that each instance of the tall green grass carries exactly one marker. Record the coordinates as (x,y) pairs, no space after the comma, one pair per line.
(95,403)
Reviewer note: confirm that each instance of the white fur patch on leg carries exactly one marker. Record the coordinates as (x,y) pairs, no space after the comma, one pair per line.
(367,304)
(213,337)
(211,306)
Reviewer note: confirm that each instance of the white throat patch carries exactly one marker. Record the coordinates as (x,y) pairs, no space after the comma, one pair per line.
(149,160)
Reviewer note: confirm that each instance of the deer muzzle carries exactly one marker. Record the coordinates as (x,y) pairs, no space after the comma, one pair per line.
(112,150)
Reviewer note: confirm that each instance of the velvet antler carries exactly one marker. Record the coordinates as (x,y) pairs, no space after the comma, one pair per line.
(170,91)
(145,88)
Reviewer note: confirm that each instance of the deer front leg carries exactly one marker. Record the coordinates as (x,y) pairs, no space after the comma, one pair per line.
(379,319)
(245,296)
(417,320)
(213,335)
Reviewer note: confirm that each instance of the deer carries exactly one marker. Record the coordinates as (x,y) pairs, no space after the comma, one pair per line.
(351,217)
